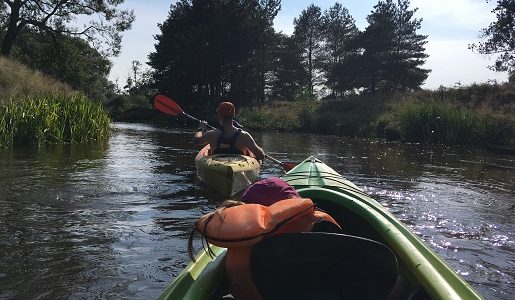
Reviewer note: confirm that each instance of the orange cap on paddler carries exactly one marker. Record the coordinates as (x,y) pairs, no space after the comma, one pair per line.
(225,109)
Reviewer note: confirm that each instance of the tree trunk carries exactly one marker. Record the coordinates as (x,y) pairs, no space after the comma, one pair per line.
(12,29)
(310,66)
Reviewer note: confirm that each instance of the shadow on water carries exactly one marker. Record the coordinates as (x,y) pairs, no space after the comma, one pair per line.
(112,220)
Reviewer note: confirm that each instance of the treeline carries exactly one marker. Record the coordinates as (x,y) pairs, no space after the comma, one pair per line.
(213,49)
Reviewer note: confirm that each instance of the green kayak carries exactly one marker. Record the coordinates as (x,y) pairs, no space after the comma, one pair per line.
(424,274)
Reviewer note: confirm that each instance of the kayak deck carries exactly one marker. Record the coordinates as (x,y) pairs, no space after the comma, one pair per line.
(227,174)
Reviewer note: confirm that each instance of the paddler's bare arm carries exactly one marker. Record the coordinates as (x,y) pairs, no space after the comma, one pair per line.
(250,144)
(203,137)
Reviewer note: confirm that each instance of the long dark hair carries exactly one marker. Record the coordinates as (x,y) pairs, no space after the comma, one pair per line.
(202,231)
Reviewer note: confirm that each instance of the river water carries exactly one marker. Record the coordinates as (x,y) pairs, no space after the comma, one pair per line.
(112,220)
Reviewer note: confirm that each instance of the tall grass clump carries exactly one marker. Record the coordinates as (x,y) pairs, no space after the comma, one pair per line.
(49,119)
(351,116)
(443,122)
(284,116)
(19,82)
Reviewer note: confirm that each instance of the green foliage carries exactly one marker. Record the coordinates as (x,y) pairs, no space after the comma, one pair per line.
(235,54)
(340,49)
(73,62)
(308,29)
(120,105)
(3,16)
(500,37)
(495,98)
(19,82)
(339,30)
(393,51)
(140,82)
(350,116)
(442,122)
(48,119)
(224,55)
(105,21)
(476,114)
(305,107)
(288,76)
(276,116)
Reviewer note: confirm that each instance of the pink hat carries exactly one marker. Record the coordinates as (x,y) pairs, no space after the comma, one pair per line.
(268,191)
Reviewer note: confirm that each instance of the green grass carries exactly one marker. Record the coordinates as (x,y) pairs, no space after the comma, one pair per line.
(445,121)
(283,116)
(42,120)
(350,117)
(36,109)
(477,114)
(18,82)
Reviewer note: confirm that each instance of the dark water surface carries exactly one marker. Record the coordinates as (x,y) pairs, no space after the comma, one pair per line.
(112,220)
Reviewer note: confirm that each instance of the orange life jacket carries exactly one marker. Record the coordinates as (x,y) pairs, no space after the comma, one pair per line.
(238,228)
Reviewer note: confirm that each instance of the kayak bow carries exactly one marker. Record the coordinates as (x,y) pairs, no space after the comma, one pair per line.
(426,274)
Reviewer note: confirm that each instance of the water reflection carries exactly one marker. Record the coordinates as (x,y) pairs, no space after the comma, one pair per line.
(111,220)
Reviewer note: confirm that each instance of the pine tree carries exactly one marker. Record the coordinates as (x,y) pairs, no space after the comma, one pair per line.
(210,50)
(340,49)
(288,76)
(393,51)
(410,49)
(308,34)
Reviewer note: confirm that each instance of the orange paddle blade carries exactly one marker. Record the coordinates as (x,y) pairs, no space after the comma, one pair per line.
(167,105)
(288,165)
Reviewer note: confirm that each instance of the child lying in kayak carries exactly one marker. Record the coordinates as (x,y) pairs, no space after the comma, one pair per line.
(271,207)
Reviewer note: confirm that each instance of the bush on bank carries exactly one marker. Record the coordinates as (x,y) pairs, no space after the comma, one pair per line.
(446,123)
(349,117)
(477,114)
(52,119)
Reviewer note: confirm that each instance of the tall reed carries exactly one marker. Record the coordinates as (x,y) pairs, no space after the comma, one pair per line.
(52,119)
(443,122)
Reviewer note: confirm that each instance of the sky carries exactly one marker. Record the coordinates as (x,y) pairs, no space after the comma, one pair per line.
(451,25)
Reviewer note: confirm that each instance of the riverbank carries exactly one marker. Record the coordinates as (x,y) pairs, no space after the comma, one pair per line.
(36,109)
(473,115)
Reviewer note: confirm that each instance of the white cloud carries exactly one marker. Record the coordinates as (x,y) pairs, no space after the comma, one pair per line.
(452,62)
(463,13)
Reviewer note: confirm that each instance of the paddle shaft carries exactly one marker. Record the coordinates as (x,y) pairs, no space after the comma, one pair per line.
(274,160)
(195,119)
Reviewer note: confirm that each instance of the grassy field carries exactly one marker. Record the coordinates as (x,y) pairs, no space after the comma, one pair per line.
(36,110)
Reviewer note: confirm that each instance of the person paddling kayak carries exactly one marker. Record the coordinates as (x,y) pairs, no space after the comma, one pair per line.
(228,139)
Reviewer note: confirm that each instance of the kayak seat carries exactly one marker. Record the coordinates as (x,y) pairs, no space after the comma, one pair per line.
(351,223)
(315,265)
(326,226)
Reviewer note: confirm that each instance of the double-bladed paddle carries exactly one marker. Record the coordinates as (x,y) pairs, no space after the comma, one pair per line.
(170,107)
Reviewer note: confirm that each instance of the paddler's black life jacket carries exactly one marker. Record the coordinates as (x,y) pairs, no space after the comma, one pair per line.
(228,145)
